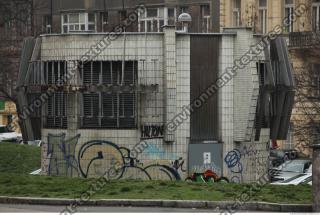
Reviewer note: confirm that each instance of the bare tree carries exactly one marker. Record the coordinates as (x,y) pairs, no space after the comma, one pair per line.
(15,25)
(306,118)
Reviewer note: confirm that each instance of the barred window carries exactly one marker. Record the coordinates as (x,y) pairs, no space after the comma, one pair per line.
(115,108)
(54,71)
(57,111)
(56,106)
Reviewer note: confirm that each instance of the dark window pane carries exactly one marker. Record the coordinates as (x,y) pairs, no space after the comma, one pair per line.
(152,12)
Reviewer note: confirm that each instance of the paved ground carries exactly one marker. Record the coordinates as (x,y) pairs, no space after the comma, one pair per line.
(43,208)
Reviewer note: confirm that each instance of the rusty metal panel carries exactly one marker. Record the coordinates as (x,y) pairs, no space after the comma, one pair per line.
(204,72)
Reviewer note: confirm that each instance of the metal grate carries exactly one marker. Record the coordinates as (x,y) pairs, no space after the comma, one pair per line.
(57,111)
(114,109)
(54,71)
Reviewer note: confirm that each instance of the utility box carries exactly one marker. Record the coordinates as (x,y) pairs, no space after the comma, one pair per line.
(205,156)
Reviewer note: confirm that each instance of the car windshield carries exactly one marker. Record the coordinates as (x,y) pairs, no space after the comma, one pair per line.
(4,130)
(293,178)
(293,167)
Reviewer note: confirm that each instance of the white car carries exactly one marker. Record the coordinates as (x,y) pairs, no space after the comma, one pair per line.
(290,169)
(8,135)
(304,178)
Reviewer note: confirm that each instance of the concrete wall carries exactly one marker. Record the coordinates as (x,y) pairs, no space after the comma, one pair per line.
(245,160)
(150,51)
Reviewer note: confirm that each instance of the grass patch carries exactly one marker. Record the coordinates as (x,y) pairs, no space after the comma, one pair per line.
(20,159)
(44,186)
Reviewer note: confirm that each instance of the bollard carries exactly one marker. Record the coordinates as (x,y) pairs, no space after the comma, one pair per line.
(316,178)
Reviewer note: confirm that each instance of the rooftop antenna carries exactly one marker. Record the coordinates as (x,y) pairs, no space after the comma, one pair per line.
(185,19)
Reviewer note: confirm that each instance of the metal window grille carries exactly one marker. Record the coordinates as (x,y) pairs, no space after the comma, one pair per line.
(114,109)
(56,107)
(57,111)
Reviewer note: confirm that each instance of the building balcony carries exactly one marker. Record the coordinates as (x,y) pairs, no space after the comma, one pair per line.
(304,40)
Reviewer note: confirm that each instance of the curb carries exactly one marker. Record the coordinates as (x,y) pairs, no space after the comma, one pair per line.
(217,206)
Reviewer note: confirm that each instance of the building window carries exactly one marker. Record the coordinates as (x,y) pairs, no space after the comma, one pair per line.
(122,15)
(184,9)
(205,17)
(154,18)
(57,111)
(236,13)
(54,71)
(56,107)
(104,20)
(316,16)
(288,15)
(263,16)
(114,108)
(76,22)
(171,16)
(47,24)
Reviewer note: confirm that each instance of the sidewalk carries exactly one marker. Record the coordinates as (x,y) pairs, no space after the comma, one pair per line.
(216,206)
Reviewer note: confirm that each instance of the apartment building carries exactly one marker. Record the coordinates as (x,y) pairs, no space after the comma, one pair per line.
(56,16)
(303,46)
(261,15)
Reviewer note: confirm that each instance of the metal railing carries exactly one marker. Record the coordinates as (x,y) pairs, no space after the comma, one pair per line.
(304,39)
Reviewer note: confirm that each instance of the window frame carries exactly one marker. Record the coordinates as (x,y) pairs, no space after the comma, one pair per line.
(263,18)
(316,20)
(236,12)
(66,25)
(288,11)
(154,23)
(206,19)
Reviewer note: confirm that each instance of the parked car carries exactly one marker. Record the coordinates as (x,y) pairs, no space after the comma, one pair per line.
(7,135)
(304,178)
(289,169)
(278,157)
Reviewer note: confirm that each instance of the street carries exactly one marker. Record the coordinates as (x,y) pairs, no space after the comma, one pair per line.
(13,208)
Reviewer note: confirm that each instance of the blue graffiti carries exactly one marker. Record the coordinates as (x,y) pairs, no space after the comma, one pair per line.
(62,155)
(232,160)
